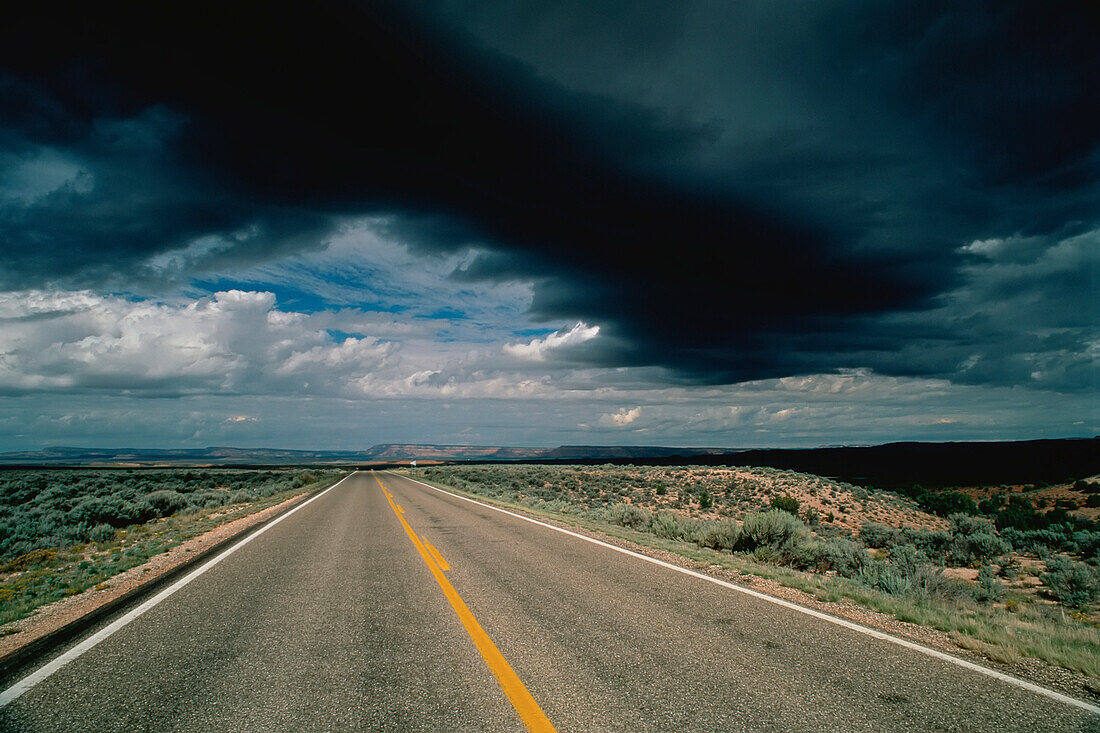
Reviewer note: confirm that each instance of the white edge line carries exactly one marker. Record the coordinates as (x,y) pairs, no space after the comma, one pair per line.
(12,693)
(793,606)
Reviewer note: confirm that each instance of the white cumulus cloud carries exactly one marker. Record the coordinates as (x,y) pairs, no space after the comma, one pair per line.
(239,342)
(538,349)
(231,342)
(622,418)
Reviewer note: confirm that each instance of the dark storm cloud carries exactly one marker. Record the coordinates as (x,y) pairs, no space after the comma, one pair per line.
(788,192)
(1016,82)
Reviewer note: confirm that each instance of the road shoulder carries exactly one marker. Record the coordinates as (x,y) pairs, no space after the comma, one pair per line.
(26,638)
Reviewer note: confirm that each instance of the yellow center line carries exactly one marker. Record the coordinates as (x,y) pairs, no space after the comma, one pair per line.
(529,711)
(443,565)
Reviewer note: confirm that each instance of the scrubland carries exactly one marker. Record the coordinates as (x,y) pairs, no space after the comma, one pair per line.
(1010,572)
(63,531)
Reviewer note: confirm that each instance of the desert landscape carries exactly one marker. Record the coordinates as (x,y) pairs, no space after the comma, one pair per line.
(1010,571)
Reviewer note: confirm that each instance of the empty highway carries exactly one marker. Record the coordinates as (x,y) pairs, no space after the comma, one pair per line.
(386,605)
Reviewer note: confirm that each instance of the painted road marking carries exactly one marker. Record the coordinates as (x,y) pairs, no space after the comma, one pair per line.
(529,711)
(793,606)
(13,692)
(443,565)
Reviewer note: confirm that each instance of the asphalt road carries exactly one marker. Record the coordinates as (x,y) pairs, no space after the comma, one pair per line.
(340,618)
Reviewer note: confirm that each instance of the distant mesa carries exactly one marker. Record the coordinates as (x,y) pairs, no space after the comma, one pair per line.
(383,452)
(889,465)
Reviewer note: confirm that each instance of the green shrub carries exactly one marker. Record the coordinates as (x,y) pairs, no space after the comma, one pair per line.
(721,535)
(304,478)
(987,546)
(1087,543)
(705,500)
(989,587)
(116,511)
(844,556)
(1072,584)
(766,554)
(671,526)
(628,515)
(946,503)
(966,524)
(48,508)
(931,543)
(801,553)
(931,582)
(907,574)
(1019,513)
(977,548)
(993,504)
(895,577)
(166,503)
(785,503)
(1089,487)
(884,577)
(559,506)
(878,535)
(102,533)
(906,559)
(772,528)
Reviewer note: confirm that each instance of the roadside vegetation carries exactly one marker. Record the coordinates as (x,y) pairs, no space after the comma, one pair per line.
(63,531)
(1010,575)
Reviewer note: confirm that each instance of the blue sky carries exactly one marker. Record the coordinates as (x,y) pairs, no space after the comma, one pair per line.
(732,225)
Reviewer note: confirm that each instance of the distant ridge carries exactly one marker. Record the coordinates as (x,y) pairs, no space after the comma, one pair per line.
(631,451)
(889,465)
(213,454)
(406,451)
(381,453)
(895,465)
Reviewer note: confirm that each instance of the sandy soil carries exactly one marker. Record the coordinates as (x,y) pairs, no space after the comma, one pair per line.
(738,491)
